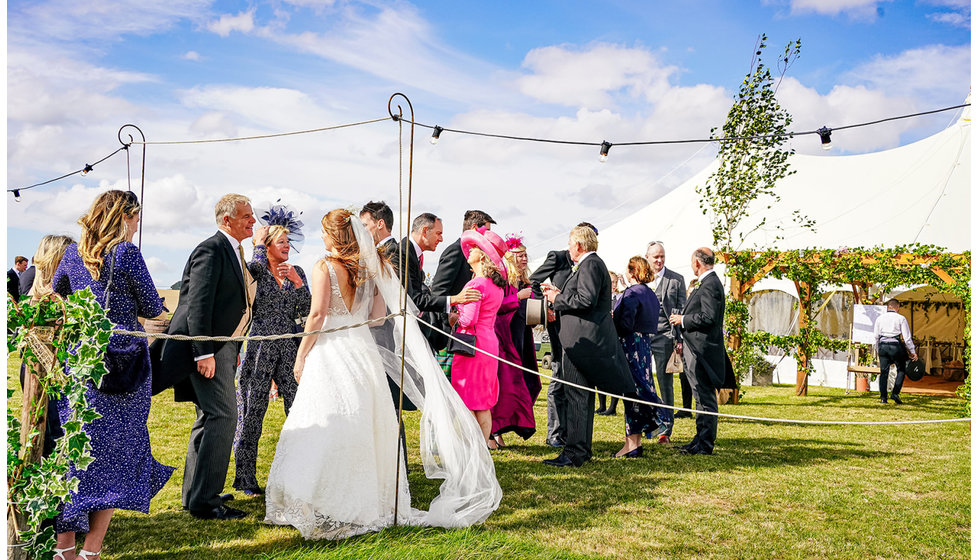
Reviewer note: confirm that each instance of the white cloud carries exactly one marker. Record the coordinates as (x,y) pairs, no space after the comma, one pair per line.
(863,10)
(935,74)
(70,20)
(242,22)
(588,77)
(192,55)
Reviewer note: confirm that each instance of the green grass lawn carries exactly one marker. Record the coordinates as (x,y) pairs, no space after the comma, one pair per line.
(769,491)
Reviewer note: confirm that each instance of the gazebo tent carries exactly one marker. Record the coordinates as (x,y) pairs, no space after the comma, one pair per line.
(917,193)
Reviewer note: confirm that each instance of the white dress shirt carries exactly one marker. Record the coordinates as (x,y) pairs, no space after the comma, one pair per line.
(892,327)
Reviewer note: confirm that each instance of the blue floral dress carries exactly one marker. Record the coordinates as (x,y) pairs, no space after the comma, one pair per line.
(274,311)
(635,316)
(124,474)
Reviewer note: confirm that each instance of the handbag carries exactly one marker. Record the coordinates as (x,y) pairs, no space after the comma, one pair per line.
(126,358)
(456,345)
(914,370)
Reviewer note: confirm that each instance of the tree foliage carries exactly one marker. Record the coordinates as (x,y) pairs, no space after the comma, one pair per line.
(751,155)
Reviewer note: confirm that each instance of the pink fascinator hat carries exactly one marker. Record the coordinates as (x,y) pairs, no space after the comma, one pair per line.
(498,242)
(472,238)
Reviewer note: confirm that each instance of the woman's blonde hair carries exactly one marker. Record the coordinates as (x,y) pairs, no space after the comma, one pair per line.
(515,276)
(46,260)
(104,227)
(490,269)
(273,234)
(585,237)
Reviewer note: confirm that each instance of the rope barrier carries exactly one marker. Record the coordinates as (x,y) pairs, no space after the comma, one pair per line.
(719,414)
(144,334)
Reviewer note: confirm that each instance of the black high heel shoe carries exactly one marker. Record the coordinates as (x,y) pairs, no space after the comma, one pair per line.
(638,452)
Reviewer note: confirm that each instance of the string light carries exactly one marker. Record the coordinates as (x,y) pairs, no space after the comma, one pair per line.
(86,169)
(604,151)
(436,131)
(16,195)
(824,133)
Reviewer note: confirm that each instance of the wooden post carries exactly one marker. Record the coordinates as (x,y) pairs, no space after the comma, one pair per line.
(34,399)
(804,292)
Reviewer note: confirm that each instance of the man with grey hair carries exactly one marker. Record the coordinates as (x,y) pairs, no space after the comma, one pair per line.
(705,355)
(426,236)
(671,291)
(893,340)
(213,302)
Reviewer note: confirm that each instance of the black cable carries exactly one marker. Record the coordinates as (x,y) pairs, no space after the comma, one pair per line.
(88,166)
(689,141)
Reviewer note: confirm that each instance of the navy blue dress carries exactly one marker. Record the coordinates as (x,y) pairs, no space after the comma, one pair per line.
(124,474)
(274,311)
(635,316)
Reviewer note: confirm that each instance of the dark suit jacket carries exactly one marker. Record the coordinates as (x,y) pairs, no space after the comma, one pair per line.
(13,284)
(212,302)
(672,294)
(587,333)
(704,316)
(558,267)
(27,280)
(453,272)
(421,294)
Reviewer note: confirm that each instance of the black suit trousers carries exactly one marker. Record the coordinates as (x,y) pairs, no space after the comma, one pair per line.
(891,353)
(578,416)
(705,399)
(213,432)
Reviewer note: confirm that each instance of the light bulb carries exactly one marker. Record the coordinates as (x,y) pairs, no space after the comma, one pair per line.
(86,169)
(16,195)
(436,131)
(604,151)
(824,133)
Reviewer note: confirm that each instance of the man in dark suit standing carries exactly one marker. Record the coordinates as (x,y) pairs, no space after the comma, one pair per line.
(27,279)
(213,302)
(377,218)
(557,267)
(453,271)
(704,348)
(592,356)
(672,293)
(13,277)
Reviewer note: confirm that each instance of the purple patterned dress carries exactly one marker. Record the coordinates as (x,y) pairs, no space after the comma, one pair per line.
(124,474)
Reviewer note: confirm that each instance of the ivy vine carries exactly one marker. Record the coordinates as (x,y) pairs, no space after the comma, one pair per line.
(876,271)
(36,489)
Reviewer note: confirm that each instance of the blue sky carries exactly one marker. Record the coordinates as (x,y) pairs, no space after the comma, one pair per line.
(616,70)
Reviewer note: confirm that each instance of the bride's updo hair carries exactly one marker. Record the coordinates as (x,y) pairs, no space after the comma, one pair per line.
(336,226)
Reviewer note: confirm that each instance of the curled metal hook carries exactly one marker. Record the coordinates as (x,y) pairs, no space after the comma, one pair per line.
(397,117)
(119,136)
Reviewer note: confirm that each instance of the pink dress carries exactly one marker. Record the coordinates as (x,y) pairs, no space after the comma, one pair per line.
(475,379)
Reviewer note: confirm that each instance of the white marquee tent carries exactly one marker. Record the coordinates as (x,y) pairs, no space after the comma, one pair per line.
(917,193)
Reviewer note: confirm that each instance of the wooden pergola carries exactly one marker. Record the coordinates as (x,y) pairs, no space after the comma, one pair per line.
(862,270)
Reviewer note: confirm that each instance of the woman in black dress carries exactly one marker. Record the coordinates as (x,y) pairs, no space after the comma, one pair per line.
(282,296)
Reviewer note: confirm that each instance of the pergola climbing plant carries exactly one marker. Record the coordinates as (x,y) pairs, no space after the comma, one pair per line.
(871,273)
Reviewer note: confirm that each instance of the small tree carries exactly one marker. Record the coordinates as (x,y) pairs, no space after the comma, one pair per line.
(752,160)
(751,154)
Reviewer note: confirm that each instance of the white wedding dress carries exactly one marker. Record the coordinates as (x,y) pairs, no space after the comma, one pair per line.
(333,474)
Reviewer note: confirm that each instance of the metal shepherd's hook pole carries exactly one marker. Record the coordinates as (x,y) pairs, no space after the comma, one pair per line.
(404,256)
(129,181)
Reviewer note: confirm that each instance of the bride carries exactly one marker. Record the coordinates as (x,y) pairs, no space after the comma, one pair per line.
(334,471)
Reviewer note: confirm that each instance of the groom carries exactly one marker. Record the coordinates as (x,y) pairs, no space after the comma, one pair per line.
(213,302)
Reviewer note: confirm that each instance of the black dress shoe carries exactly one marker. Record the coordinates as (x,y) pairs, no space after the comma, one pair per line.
(896,399)
(683,414)
(221,513)
(561,460)
(607,413)
(600,411)
(697,450)
(226,497)
(884,401)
